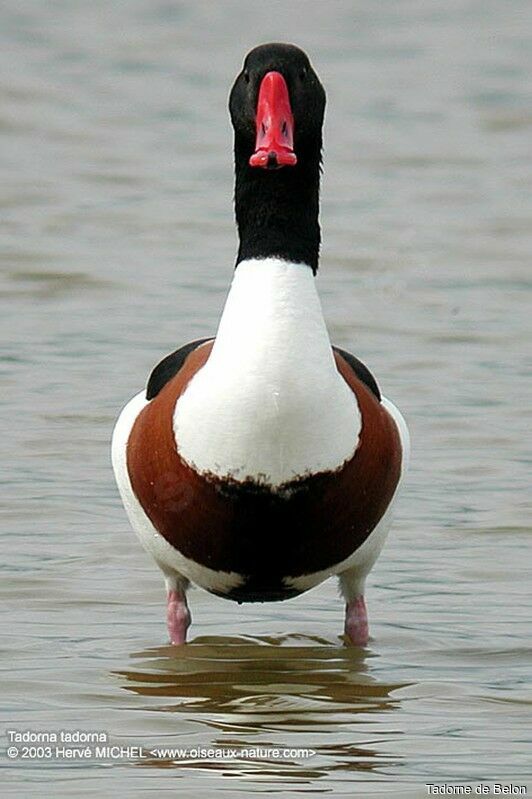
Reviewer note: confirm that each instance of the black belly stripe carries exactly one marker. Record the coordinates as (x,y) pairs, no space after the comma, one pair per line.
(255,589)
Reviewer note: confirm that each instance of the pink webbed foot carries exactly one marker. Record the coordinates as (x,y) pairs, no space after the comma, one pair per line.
(177,616)
(356,621)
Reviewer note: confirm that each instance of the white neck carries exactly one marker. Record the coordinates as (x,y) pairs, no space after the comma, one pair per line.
(269,404)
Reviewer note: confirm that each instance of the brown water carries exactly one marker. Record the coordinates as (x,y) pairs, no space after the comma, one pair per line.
(118,245)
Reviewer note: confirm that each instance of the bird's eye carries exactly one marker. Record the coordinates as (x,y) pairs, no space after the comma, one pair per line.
(246,76)
(303,73)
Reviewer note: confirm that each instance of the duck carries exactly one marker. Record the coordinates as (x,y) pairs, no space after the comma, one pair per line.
(263,460)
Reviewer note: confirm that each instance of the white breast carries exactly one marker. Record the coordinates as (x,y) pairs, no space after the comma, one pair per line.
(269,404)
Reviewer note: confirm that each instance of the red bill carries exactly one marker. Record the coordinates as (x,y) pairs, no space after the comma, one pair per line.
(274,145)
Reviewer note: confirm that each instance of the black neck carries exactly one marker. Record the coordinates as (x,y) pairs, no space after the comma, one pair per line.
(277,211)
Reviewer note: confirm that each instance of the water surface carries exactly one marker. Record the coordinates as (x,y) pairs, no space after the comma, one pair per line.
(118,245)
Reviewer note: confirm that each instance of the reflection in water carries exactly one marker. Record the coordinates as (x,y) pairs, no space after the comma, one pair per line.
(263,692)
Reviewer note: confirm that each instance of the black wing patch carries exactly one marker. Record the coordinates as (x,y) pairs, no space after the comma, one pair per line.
(170,366)
(361,371)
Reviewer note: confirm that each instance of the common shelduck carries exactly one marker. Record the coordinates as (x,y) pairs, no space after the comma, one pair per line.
(261,461)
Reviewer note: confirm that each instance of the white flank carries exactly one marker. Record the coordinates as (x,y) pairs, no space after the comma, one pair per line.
(269,404)
(173,564)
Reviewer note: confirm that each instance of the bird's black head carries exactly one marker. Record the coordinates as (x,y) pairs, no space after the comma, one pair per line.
(277,105)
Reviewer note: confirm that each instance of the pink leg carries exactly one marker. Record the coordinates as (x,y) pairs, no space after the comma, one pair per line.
(177,616)
(356,621)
